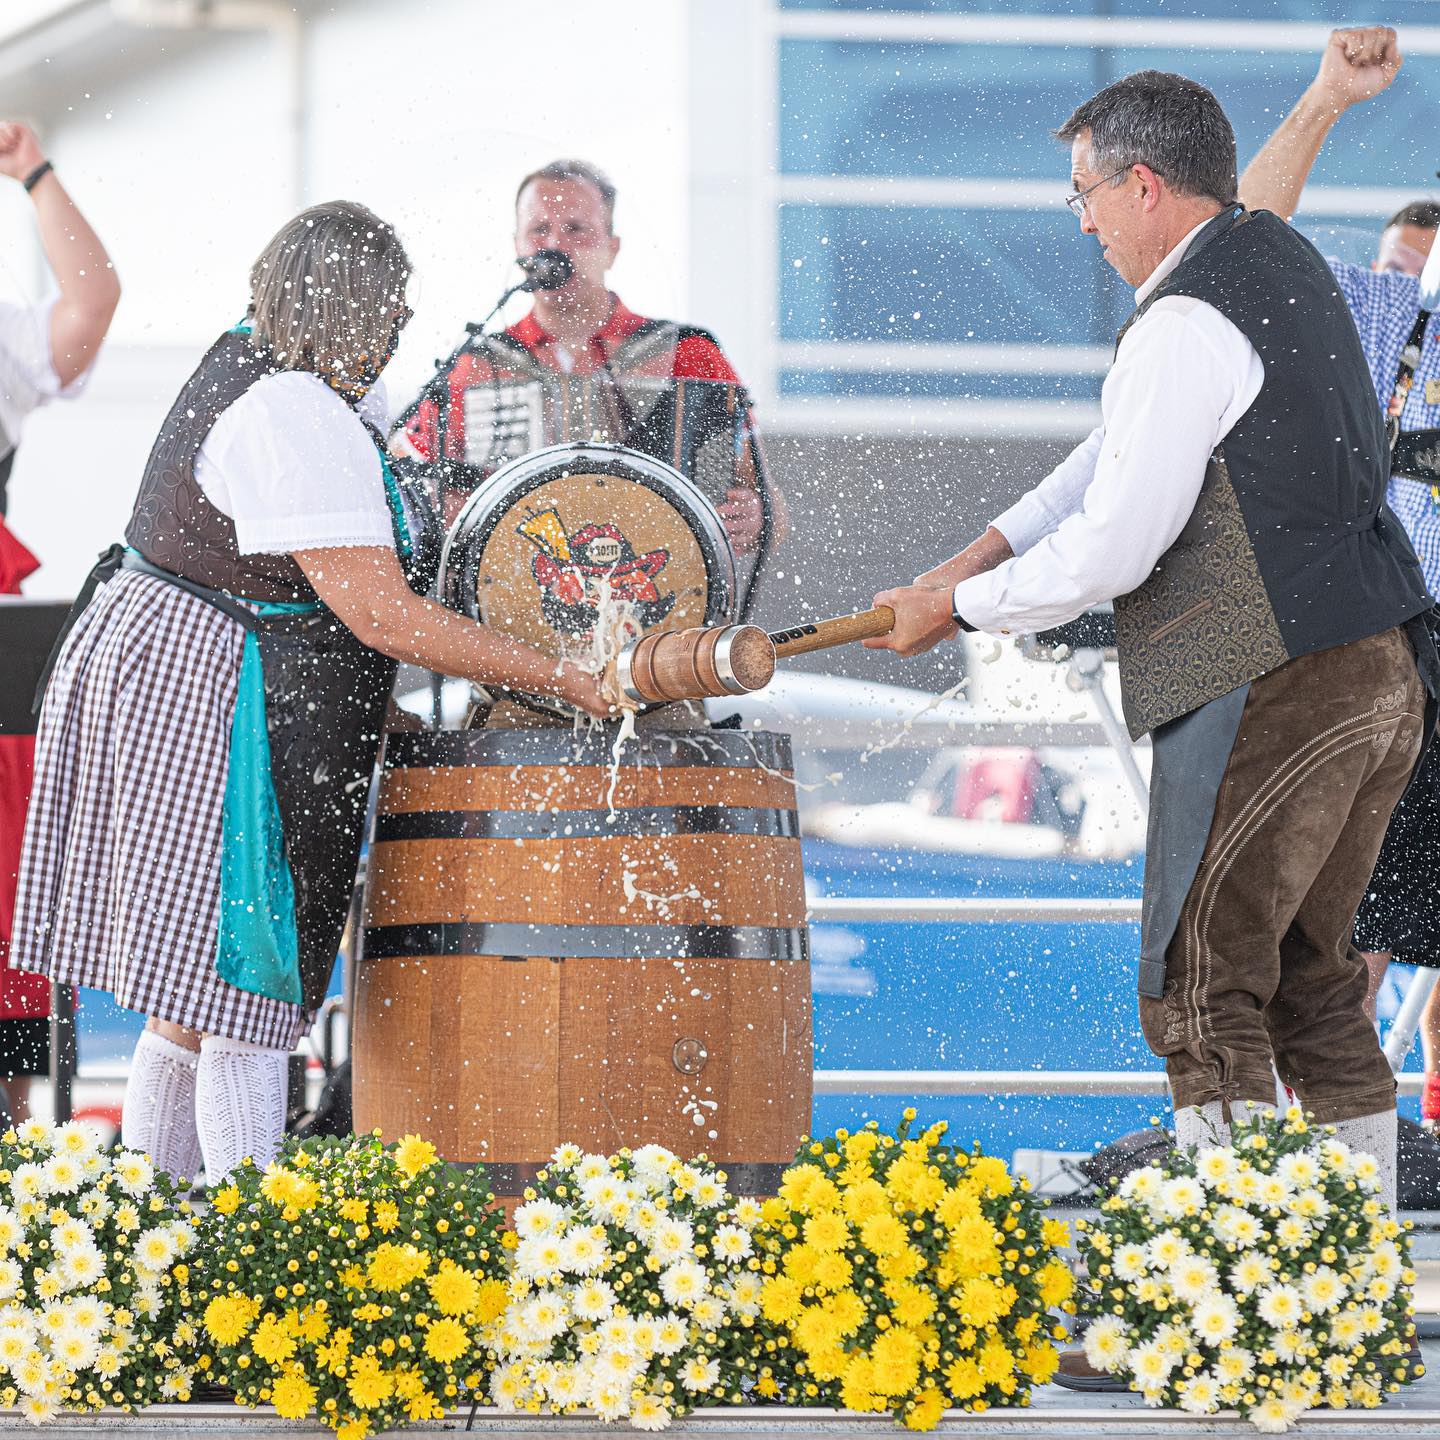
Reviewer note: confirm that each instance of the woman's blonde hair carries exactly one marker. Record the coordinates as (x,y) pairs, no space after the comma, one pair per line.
(326,291)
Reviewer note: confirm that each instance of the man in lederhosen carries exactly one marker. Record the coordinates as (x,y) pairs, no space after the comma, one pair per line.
(582,329)
(1400,916)
(1268,614)
(46,350)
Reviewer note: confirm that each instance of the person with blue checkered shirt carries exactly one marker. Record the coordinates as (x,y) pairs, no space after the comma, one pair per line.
(1400,916)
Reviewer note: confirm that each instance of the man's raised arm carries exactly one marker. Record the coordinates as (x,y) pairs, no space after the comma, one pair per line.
(1356,66)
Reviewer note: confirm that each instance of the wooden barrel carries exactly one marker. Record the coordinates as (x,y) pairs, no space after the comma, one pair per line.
(539,967)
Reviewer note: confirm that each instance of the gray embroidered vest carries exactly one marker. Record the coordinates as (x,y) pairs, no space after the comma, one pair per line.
(1290,548)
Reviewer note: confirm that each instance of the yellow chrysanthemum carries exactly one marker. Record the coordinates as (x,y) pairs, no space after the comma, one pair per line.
(293,1396)
(454,1290)
(446,1340)
(925,1413)
(228,1317)
(413,1154)
(226,1200)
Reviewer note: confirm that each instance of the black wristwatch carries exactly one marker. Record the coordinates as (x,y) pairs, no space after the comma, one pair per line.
(958,618)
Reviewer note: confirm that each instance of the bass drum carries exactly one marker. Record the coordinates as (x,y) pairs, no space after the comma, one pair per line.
(539,543)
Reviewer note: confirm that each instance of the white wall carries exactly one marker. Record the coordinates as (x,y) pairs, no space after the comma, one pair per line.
(428,111)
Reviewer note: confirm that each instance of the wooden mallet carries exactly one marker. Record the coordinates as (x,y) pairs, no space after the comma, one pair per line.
(714,661)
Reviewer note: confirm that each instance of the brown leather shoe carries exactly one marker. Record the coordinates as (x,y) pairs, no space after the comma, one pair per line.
(1075,1372)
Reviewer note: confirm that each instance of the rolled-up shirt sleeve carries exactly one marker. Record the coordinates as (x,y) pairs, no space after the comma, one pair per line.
(1058,496)
(1181,379)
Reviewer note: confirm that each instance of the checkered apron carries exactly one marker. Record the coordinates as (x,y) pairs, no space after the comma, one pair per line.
(120,870)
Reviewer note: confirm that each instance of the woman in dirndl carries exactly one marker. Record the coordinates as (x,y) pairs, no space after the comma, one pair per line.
(212,722)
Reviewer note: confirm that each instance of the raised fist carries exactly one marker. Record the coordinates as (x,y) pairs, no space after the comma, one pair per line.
(1358,64)
(20,151)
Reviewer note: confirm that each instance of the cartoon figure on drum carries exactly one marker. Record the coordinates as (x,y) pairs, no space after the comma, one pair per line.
(581,366)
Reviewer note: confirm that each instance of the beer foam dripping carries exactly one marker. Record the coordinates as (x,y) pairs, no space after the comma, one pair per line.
(617,623)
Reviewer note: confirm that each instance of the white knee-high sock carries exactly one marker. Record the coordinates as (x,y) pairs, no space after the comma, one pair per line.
(1375,1135)
(1200,1125)
(239,1104)
(158,1116)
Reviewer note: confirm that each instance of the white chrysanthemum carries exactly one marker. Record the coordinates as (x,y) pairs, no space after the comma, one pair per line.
(698,1375)
(82,1265)
(709,1193)
(1300,1170)
(1236,1226)
(743,1294)
(1292,1233)
(1379,1289)
(69,1233)
(608,1399)
(1105,1345)
(1335,1154)
(563,1389)
(583,1251)
(155,1250)
(34,1132)
(75,1349)
(1309,1205)
(133,1173)
(38,1409)
(538,1217)
(649,1412)
(539,1257)
(1167,1249)
(34,1374)
(543,1317)
(11,1230)
(1289,1343)
(127,1218)
(590,1167)
(1235,1364)
(1193,1277)
(1323,1289)
(1364,1170)
(1249,1272)
(566,1156)
(619,1365)
(1345,1331)
(1337,1367)
(732,1243)
(1177,1339)
(708,1312)
(14,1347)
(593,1300)
(1371,1318)
(1215,1165)
(1280,1305)
(1142,1185)
(1181,1196)
(671,1333)
(682,1283)
(1384,1259)
(11,1277)
(653,1163)
(599,1192)
(28,1183)
(75,1139)
(508,1386)
(1130,1262)
(747,1213)
(1215,1319)
(643,1219)
(1273,1417)
(1152,1363)
(1200,1395)
(643,1335)
(86,1312)
(672,1239)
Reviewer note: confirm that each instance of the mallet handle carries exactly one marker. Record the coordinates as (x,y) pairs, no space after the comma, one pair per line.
(863,625)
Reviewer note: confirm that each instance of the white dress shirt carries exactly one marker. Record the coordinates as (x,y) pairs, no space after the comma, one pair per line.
(1096,526)
(290,463)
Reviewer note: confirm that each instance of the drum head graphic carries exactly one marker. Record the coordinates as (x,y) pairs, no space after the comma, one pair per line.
(546,538)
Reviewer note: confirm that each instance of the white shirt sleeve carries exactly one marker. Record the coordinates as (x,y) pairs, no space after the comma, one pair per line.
(27,369)
(1056,497)
(293,466)
(1182,378)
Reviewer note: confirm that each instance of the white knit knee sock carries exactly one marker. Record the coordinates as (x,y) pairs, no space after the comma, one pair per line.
(158,1116)
(1374,1135)
(239,1104)
(1199,1125)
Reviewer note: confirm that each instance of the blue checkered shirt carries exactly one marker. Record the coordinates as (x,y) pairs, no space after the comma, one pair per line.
(1385,305)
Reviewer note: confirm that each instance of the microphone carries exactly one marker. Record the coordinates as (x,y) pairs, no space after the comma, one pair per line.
(545,270)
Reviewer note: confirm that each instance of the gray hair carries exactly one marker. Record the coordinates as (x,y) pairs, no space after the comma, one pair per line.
(1173,125)
(326,290)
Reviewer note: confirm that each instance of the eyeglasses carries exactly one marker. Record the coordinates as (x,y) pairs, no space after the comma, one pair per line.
(1079,202)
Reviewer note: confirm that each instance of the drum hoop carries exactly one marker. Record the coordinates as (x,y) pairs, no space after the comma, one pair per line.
(500,492)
